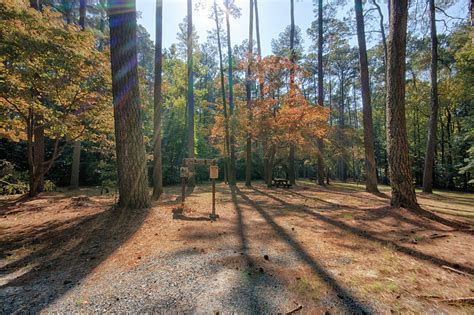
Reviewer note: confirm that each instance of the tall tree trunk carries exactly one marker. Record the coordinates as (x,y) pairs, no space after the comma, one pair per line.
(38,157)
(342,124)
(157,101)
(403,192)
(231,175)
(449,182)
(190,98)
(384,43)
(223,92)
(266,157)
(320,143)
(36,142)
(82,14)
(330,101)
(248,158)
(370,166)
(35,4)
(384,38)
(431,144)
(76,163)
(76,145)
(131,161)
(291,157)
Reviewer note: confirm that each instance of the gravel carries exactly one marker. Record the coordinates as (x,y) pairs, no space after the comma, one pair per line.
(186,282)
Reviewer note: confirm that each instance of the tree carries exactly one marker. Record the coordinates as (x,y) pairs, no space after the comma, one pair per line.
(38,146)
(131,161)
(370,166)
(320,158)
(431,143)
(266,158)
(54,85)
(76,145)
(291,157)
(248,158)
(157,100)
(82,13)
(281,46)
(231,9)
(403,192)
(190,99)
(223,92)
(285,117)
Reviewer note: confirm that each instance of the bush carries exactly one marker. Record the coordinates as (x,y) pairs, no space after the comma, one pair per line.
(11,181)
(49,186)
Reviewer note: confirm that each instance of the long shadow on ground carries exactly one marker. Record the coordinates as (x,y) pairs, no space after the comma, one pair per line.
(248,261)
(368,235)
(62,254)
(383,211)
(349,302)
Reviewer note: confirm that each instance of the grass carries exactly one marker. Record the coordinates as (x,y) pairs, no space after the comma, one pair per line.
(309,286)
(347,216)
(383,286)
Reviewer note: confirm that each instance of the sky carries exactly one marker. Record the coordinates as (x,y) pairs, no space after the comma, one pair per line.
(274,16)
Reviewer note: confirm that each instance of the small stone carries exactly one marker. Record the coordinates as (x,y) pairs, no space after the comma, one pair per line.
(139,257)
(266,257)
(66,282)
(260,269)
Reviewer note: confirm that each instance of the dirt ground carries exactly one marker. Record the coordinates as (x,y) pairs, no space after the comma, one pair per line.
(306,249)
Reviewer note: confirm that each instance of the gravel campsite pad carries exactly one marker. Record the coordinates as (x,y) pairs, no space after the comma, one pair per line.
(303,250)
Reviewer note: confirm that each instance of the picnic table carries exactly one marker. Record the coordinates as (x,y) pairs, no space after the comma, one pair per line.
(281,182)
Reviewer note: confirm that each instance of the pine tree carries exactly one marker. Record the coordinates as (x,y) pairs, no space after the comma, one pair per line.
(370,166)
(131,162)
(157,100)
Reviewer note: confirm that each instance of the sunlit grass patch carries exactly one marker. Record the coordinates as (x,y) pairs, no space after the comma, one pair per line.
(383,286)
(309,286)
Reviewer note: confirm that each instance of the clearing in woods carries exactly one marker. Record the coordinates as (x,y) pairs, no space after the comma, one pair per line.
(306,249)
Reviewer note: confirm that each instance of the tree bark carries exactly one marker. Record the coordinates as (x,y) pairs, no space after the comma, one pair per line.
(403,192)
(37,175)
(370,166)
(76,145)
(76,162)
(230,79)
(35,4)
(131,162)
(36,142)
(248,157)
(190,98)
(157,101)
(433,124)
(224,98)
(320,143)
(384,38)
(82,14)
(291,157)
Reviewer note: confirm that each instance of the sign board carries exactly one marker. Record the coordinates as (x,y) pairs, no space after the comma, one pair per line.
(183,172)
(213,172)
(192,161)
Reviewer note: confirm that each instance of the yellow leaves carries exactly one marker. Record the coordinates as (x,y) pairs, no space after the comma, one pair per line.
(54,70)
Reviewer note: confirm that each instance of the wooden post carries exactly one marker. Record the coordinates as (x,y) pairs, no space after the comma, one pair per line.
(183,191)
(213,174)
(213,215)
